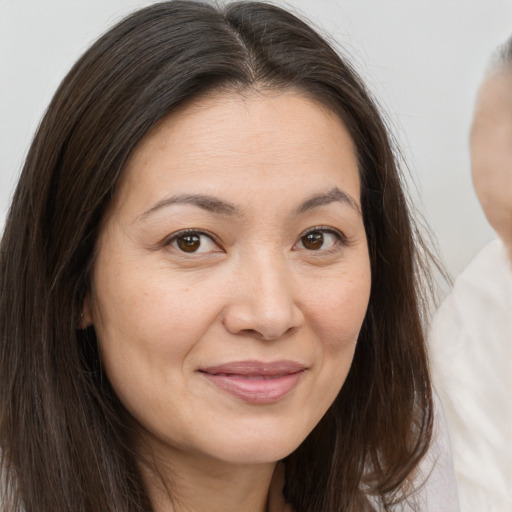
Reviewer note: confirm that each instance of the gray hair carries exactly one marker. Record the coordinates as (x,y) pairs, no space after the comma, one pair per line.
(501,58)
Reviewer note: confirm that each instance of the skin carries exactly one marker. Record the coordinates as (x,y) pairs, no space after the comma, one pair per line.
(491,152)
(274,167)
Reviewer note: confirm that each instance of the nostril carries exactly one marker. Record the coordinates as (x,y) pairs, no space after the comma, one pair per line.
(269,330)
(266,334)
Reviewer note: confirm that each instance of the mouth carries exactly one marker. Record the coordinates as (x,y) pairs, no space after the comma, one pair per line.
(256,382)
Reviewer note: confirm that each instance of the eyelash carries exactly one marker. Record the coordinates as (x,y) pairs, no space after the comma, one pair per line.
(191,232)
(340,239)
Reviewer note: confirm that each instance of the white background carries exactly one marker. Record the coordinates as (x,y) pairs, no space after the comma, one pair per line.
(423,59)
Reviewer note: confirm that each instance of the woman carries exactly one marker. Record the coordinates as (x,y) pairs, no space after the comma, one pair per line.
(209,267)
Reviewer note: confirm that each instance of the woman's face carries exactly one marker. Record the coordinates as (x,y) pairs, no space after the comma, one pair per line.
(232,276)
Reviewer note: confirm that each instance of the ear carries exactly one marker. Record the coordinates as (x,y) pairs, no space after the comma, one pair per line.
(86,318)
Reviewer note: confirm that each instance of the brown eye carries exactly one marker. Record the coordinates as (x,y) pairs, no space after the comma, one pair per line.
(189,243)
(193,242)
(319,239)
(313,240)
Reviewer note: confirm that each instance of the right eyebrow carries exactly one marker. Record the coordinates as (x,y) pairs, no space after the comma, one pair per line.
(332,196)
(205,202)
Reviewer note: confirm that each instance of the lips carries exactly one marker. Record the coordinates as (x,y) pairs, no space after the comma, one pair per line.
(256,382)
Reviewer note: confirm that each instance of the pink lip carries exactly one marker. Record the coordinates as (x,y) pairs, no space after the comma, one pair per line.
(254,381)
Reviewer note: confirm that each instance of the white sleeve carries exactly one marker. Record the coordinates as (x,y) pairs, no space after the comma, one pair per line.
(435,484)
(471,361)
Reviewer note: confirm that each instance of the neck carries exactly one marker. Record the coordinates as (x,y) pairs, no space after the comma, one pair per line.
(191,484)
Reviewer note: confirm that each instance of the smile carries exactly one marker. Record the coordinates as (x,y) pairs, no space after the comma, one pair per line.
(256,382)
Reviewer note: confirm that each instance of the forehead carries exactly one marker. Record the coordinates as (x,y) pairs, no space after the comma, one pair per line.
(494,100)
(248,117)
(229,136)
(491,130)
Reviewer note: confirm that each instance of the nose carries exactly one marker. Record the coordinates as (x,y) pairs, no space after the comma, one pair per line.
(263,302)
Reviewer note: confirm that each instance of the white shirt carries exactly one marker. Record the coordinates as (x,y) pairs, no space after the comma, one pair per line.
(471,352)
(434,486)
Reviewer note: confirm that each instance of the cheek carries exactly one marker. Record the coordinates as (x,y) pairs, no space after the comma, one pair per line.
(146,331)
(148,302)
(336,315)
(337,311)
(147,327)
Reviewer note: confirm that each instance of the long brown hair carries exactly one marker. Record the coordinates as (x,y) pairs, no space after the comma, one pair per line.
(63,440)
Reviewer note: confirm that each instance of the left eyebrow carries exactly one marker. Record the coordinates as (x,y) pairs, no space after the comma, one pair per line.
(334,195)
(205,202)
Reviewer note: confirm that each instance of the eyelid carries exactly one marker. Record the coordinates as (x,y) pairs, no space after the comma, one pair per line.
(168,240)
(341,237)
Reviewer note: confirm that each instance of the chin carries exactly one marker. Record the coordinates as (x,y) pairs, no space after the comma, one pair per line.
(266,447)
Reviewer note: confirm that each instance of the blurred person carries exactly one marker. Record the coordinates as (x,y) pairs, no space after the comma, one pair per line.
(471,336)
